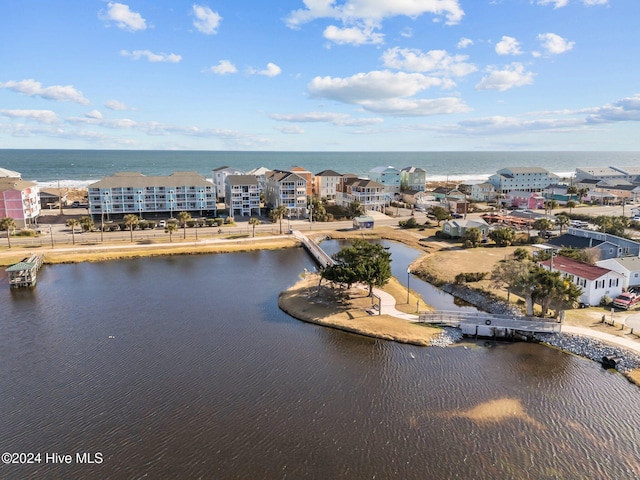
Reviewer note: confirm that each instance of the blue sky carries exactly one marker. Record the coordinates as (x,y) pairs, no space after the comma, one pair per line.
(320,75)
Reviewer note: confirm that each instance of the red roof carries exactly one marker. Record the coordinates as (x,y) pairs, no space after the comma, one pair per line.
(573,267)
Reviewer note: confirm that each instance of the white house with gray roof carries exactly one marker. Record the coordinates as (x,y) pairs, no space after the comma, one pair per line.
(629,267)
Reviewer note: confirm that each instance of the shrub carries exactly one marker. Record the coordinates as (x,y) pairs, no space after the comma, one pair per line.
(410,223)
(606,301)
(470,277)
(26,232)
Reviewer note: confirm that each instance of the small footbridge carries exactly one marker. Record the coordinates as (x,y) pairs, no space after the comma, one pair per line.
(320,256)
(489,325)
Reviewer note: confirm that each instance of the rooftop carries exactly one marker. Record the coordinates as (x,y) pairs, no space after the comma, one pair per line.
(573,267)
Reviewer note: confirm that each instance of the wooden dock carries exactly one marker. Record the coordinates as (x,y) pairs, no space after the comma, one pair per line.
(25,273)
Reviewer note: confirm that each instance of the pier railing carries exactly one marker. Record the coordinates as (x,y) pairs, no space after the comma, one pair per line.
(319,255)
(472,319)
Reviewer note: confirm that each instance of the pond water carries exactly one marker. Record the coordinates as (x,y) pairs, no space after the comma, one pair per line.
(184,367)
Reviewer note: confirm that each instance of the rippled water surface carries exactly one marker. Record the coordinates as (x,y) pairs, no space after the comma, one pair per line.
(184,367)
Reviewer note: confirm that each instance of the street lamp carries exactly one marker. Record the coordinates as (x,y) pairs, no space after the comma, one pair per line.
(408,277)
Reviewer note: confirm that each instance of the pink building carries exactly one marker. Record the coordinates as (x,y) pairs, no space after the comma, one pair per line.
(19,200)
(528,200)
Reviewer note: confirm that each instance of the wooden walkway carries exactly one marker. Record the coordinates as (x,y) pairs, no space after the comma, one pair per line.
(25,273)
(321,257)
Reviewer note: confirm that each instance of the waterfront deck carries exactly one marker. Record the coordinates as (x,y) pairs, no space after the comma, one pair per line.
(25,273)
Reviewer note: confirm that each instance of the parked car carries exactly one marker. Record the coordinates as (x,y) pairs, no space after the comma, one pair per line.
(162,223)
(627,300)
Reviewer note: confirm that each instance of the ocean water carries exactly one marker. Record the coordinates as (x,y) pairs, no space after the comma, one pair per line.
(81,167)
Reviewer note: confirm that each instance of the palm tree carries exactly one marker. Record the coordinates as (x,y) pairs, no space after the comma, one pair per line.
(543,225)
(8,224)
(570,205)
(73,223)
(86,223)
(183,218)
(582,192)
(130,221)
(562,221)
(253,221)
(170,228)
(277,214)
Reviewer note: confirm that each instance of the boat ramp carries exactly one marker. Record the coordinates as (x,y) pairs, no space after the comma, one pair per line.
(25,273)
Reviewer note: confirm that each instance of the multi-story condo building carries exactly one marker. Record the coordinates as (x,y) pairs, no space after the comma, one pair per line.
(387,176)
(133,192)
(242,195)
(615,174)
(524,179)
(370,194)
(19,200)
(413,178)
(288,189)
(325,184)
(219,175)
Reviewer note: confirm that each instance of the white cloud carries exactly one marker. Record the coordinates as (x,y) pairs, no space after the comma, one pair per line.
(351,11)
(407,32)
(438,62)
(353,35)
(207,21)
(224,67)
(464,42)
(290,129)
(117,105)
(554,44)
(123,17)
(152,57)
(272,70)
(59,93)
(624,110)
(402,107)
(508,46)
(589,3)
(340,119)
(93,114)
(376,85)
(513,75)
(40,116)
(555,3)
(387,93)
